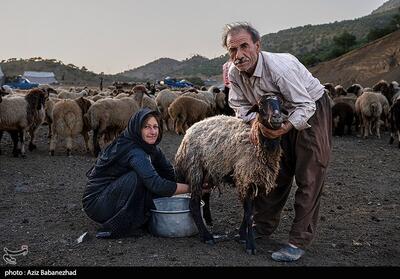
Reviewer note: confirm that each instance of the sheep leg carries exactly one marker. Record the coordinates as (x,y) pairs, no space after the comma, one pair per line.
(206,209)
(86,138)
(14,137)
(398,137)
(391,140)
(22,141)
(170,124)
(32,146)
(96,146)
(377,126)
(53,143)
(365,127)
(205,235)
(243,231)
(1,135)
(69,145)
(49,134)
(248,205)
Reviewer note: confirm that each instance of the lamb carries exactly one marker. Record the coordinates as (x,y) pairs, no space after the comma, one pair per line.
(185,111)
(68,122)
(218,150)
(23,114)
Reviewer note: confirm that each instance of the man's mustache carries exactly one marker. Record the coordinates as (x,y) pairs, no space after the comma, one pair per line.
(240,61)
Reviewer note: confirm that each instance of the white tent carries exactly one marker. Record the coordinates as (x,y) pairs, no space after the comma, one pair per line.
(40,77)
(2,77)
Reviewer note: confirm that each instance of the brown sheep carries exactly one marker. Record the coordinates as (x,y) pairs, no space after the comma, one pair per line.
(185,111)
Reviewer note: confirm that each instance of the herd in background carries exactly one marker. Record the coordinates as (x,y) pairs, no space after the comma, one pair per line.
(99,115)
(103,115)
(367,109)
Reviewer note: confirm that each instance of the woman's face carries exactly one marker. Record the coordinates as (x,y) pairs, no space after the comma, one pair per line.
(150,130)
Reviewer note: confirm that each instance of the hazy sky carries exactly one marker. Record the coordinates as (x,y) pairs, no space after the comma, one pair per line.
(115,35)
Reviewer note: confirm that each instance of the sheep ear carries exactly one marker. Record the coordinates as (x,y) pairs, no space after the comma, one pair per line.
(253,109)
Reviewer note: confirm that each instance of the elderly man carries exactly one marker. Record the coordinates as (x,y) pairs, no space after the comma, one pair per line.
(306,136)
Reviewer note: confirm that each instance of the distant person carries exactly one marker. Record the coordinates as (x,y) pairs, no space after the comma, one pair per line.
(127,175)
(306,136)
(101,83)
(225,69)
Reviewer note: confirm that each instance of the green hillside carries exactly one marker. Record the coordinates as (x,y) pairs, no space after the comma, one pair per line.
(300,41)
(66,74)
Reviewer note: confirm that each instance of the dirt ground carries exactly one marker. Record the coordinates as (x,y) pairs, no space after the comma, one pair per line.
(40,206)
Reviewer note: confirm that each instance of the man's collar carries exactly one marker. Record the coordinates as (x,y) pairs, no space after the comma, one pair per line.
(258,70)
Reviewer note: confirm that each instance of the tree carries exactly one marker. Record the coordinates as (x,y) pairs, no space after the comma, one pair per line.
(345,41)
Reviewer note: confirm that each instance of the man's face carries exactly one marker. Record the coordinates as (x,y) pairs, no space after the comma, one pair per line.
(242,51)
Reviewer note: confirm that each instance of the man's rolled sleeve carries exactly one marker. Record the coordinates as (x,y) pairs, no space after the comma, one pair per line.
(297,97)
(239,103)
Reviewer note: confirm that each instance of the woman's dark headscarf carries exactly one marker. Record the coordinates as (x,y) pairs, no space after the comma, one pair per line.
(130,138)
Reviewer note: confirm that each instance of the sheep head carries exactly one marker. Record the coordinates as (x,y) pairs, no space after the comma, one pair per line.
(269,115)
(2,93)
(268,111)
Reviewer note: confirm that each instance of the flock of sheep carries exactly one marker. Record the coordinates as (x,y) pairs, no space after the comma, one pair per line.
(367,108)
(75,111)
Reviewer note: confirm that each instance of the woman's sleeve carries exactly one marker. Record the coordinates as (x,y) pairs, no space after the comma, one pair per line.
(164,167)
(142,165)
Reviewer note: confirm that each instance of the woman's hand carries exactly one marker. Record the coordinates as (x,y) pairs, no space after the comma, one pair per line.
(205,188)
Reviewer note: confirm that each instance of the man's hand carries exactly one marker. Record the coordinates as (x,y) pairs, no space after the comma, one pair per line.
(205,188)
(273,134)
(254,132)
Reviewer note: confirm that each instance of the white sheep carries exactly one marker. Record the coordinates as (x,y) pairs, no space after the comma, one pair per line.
(68,122)
(368,107)
(72,95)
(185,111)
(23,114)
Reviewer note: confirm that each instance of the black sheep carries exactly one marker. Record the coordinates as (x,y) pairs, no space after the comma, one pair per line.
(342,115)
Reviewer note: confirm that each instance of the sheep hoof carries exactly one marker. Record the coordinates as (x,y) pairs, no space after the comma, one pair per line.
(391,140)
(52,152)
(23,156)
(31,147)
(251,251)
(68,152)
(210,242)
(239,239)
